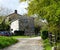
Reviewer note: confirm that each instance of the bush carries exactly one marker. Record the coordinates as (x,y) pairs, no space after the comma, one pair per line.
(44,34)
(6,41)
(47,45)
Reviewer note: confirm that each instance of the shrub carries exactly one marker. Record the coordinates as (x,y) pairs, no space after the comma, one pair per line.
(6,41)
(47,45)
(44,34)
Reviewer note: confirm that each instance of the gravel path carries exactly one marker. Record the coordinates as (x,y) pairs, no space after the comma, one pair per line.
(27,44)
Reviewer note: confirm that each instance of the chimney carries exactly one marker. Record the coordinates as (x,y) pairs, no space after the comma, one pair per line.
(16,11)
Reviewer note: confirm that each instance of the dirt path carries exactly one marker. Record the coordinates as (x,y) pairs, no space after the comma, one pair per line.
(27,44)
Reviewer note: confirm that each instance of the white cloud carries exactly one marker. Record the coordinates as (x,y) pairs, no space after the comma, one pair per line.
(22,6)
(14,4)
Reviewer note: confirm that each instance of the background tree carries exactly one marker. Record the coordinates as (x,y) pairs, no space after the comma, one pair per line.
(4,26)
(4,11)
(47,9)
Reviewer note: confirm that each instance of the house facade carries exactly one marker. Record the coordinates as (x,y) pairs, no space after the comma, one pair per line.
(21,23)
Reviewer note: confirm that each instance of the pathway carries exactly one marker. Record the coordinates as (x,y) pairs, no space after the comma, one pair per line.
(27,44)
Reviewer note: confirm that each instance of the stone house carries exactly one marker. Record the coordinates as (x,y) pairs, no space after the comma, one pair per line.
(21,23)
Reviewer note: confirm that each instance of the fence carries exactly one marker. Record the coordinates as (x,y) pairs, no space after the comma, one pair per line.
(54,38)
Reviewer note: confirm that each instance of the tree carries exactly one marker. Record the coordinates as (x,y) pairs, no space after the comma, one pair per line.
(47,9)
(4,11)
(4,26)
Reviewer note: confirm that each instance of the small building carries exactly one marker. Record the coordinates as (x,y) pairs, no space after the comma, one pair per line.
(21,23)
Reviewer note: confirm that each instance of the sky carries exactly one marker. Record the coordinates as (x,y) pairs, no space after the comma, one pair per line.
(14,5)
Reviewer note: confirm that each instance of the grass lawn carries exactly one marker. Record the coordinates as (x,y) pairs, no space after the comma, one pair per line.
(21,37)
(6,41)
(47,45)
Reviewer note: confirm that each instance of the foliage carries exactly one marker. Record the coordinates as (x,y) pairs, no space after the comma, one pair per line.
(4,11)
(49,10)
(38,22)
(4,26)
(22,0)
(1,18)
(44,34)
(47,45)
(6,41)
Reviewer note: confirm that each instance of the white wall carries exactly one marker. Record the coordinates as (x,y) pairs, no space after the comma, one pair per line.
(14,25)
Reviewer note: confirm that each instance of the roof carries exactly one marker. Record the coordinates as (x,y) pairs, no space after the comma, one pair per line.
(15,16)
